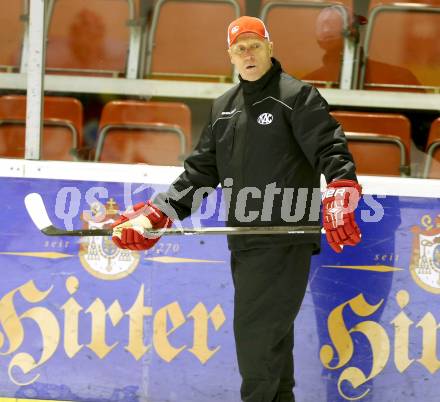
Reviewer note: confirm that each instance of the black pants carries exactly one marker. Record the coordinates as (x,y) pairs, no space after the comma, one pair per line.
(269,287)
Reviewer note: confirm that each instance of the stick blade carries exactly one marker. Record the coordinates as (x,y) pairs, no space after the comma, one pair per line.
(37,211)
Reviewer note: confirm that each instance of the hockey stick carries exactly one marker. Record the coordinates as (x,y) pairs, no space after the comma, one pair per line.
(37,211)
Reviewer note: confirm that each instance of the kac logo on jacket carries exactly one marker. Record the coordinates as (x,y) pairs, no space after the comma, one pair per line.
(265,118)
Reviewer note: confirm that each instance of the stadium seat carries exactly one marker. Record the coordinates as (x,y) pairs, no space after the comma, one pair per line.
(309,40)
(11,34)
(432,165)
(92,37)
(188,40)
(375,3)
(380,142)
(401,48)
(157,133)
(62,130)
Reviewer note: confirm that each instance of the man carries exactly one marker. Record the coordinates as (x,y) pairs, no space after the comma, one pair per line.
(269,134)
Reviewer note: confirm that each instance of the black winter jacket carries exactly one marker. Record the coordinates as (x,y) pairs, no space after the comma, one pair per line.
(275,132)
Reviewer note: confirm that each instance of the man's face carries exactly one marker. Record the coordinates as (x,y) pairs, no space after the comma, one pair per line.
(251,54)
(329,28)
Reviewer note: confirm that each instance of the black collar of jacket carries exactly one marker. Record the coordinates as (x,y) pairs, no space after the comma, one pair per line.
(253,87)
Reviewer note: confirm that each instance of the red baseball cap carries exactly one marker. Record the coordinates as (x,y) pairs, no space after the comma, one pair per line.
(246,24)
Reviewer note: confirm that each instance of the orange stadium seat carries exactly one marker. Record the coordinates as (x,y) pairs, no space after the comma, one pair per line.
(89,37)
(401,47)
(380,142)
(308,39)
(62,130)
(432,165)
(188,40)
(374,3)
(11,34)
(347,3)
(157,133)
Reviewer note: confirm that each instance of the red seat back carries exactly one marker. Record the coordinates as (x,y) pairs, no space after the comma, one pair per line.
(88,37)
(374,3)
(372,155)
(432,167)
(62,130)
(190,41)
(303,41)
(144,132)
(402,49)
(11,34)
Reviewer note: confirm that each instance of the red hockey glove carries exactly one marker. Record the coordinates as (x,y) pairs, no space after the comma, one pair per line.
(131,229)
(338,203)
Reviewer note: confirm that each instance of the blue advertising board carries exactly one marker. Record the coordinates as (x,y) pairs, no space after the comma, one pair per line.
(84,321)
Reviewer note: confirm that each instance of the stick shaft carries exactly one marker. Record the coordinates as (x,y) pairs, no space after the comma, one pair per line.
(227,230)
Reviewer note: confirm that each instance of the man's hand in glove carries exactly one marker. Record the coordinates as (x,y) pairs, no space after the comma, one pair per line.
(339,202)
(130,231)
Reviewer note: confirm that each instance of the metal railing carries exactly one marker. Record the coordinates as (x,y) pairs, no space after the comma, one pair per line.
(404,167)
(160,127)
(53,122)
(430,158)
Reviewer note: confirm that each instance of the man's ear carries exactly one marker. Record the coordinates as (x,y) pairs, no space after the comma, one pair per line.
(230,55)
(271,48)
